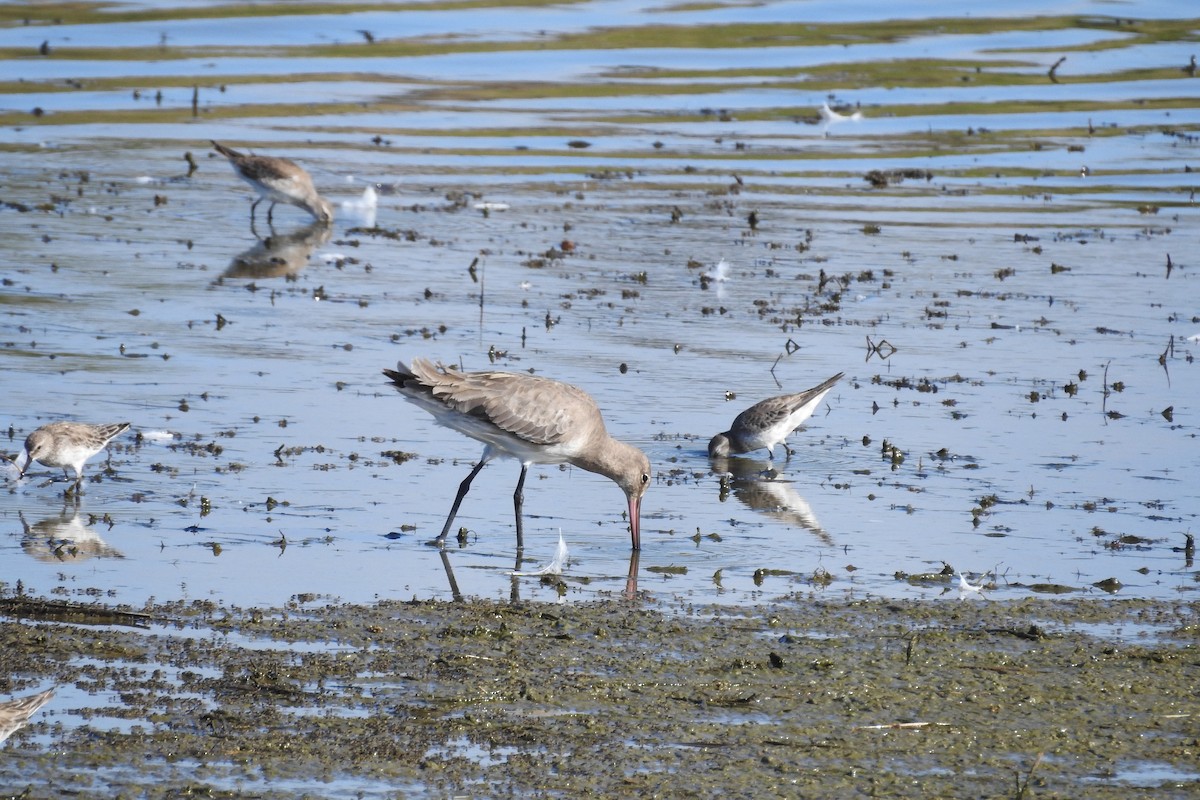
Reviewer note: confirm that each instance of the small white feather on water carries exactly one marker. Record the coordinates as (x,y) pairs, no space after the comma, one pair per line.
(719,275)
(363,207)
(965,588)
(832,117)
(556,565)
(160,437)
(829,118)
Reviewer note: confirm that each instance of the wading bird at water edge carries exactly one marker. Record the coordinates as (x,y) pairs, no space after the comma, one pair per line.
(532,419)
(15,713)
(279,180)
(770,422)
(68,444)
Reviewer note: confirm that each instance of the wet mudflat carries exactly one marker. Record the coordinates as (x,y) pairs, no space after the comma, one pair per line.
(1025,698)
(647,201)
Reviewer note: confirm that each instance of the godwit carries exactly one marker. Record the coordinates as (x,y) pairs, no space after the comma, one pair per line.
(769,422)
(532,419)
(68,444)
(279,180)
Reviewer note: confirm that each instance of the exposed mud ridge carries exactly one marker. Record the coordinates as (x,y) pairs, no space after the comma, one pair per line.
(1045,698)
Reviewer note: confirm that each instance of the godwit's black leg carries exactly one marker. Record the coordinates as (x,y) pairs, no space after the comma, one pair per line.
(518,503)
(463,488)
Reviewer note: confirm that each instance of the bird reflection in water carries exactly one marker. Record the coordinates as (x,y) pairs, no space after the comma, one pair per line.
(64,538)
(631,579)
(280,255)
(761,488)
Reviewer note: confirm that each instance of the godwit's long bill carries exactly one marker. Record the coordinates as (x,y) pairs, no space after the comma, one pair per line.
(769,422)
(532,419)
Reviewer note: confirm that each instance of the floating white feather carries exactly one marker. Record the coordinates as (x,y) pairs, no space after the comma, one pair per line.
(557,564)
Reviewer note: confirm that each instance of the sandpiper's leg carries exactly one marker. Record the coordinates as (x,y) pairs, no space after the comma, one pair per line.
(787,450)
(75,488)
(253,206)
(463,488)
(518,503)
(270,211)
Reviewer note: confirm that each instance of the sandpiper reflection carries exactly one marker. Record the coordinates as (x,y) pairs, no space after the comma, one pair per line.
(280,255)
(64,537)
(762,488)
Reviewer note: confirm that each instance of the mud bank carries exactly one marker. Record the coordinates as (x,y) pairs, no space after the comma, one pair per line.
(1027,698)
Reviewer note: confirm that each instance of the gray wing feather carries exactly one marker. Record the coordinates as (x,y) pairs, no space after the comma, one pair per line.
(538,410)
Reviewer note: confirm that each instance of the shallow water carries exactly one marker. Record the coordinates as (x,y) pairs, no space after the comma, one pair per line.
(258,469)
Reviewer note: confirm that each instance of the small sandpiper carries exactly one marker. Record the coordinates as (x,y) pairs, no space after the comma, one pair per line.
(68,444)
(532,419)
(770,422)
(15,713)
(279,180)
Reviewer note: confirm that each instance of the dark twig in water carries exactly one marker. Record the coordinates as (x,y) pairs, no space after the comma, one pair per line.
(1054,69)
(778,358)
(1165,354)
(883,348)
(481,290)
(1022,788)
(789,347)
(1104,402)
